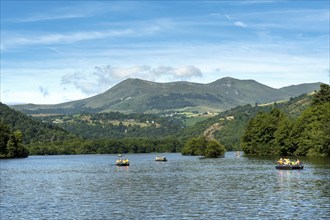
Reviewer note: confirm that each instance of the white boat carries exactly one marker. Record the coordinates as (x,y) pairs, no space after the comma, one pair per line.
(162,158)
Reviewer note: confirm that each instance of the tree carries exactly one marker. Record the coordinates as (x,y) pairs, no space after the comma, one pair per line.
(15,146)
(204,147)
(214,149)
(311,134)
(323,95)
(259,136)
(283,138)
(4,137)
(275,134)
(194,146)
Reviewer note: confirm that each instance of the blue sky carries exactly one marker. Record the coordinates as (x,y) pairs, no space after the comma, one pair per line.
(57,51)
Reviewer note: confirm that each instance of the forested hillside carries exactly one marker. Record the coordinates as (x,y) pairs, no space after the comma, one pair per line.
(117,125)
(229,126)
(33,131)
(90,133)
(274,133)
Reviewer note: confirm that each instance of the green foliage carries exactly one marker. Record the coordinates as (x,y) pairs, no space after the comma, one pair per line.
(323,95)
(34,131)
(283,137)
(259,136)
(15,147)
(4,138)
(107,146)
(117,125)
(214,149)
(311,135)
(194,146)
(204,147)
(275,134)
(11,143)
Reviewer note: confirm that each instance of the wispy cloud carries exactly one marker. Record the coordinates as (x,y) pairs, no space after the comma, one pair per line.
(83,10)
(43,91)
(49,17)
(240,24)
(103,77)
(14,40)
(236,23)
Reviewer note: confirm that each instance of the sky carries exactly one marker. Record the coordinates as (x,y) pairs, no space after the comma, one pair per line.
(57,51)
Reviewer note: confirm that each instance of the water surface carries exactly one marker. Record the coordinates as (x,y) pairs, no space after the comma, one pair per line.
(184,187)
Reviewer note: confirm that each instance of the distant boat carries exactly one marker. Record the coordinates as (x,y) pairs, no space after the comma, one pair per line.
(286,164)
(237,154)
(162,158)
(119,155)
(124,162)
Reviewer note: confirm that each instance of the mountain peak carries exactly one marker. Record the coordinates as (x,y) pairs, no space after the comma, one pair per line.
(137,95)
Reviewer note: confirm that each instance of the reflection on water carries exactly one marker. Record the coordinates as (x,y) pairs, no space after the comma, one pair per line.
(92,187)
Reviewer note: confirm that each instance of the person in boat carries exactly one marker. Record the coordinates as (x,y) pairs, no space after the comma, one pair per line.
(287,161)
(280,161)
(298,162)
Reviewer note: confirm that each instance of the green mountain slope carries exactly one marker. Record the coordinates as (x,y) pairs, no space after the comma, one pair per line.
(140,96)
(228,126)
(296,90)
(33,131)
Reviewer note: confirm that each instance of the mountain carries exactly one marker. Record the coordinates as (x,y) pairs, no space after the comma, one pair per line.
(141,96)
(296,90)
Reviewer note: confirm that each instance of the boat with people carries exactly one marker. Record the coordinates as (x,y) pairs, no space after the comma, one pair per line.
(122,162)
(162,158)
(286,164)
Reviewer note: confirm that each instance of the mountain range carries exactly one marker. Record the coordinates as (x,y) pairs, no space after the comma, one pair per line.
(141,96)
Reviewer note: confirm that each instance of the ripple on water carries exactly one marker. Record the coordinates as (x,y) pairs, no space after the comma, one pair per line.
(91,187)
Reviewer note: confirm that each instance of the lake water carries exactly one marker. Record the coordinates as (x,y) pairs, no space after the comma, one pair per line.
(184,187)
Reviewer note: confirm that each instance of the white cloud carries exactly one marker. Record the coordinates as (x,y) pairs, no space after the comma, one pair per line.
(240,24)
(103,77)
(187,71)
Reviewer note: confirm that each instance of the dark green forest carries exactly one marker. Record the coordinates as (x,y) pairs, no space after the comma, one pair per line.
(18,131)
(11,143)
(275,133)
(299,126)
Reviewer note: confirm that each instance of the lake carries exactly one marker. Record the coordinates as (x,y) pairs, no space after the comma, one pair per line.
(184,187)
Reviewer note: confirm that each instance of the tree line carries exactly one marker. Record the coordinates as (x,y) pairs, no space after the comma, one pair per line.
(275,133)
(107,146)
